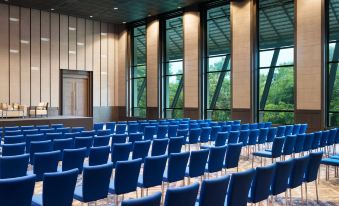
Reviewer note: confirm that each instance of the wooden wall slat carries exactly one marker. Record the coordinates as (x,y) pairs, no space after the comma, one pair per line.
(111,63)
(55,60)
(104,62)
(25,56)
(4,54)
(63,42)
(14,55)
(96,65)
(72,47)
(81,43)
(89,45)
(45,57)
(35,57)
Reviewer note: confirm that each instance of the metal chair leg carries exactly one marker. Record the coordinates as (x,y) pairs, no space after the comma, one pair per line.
(302,196)
(290,197)
(316,191)
(306,193)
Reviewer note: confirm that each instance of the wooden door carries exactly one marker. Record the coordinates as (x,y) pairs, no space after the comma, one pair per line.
(81,97)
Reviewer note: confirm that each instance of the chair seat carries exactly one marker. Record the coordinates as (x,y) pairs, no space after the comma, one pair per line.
(78,194)
(37,200)
(335,157)
(330,161)
(267,154)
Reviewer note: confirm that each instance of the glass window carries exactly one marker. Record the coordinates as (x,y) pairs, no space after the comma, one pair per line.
(173,68)
(332,66)
(276,61)
(217,91)
(138,72)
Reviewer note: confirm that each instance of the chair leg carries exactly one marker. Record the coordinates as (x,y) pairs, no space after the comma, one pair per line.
(142,192)
(116,199)
(316,191)
(252,161)
(306,193)
(302,196)
(286,198)
(290,197)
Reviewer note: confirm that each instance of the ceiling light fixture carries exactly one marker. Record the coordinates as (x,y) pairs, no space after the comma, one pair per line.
(124,22)
(179,7)
(115,8)
(90,16)
(52,9)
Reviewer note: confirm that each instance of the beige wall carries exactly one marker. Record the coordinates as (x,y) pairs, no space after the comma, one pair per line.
(35,45)
(122,62)
(191,26)
(309,30)
(242,65)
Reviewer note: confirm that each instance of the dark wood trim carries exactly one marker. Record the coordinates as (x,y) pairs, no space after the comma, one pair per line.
(313,118)
(193,113)
(243,114)
(152,112)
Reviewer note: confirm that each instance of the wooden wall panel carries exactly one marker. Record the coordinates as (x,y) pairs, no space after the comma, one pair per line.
(14,55)
(45,58)
(4,54)
(72,46)
(54,60)
(103,72)
(81,44)
(111,64)
(122,67)
(63,42)
(96,65)
(89,45)
(25,56)
(35,57)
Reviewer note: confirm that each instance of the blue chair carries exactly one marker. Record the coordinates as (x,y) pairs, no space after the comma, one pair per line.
(281,177)
(324,138)
(42,126)
(34,138)
(162,131)
(45,131)
(13,128)
(235,127)
(183,126)
(296,129)
(205,134)
(99,141)
(120,152)
(288,148)
(176,168)
(142,126)
(153,171)
(152,200)
(213,191)
(140,149)
(316,140)
(175,144)
(244,126)
(253,138)
(103,132)
(253,126)
(62,144)
(55,126)
(17,191)
(110,126)
(120,128)
(159,147)
(119,138)
(133,128)
(77,129)
(272,132)
(98,126)
(27,127)
(30,131)
(331,140)
(221,139)
(45,162)
(299,143)
(133,137)
(311,173)
(182,196)
(172,130)
(303,128)
(197,164)
(261,185)
(95,183)
(243,137)
(80,142)
(288,130)
(239,187)
(89,133)
(214,132)
(125,178)
(276,151)
(13,149)
(41,146)
(226,128)
(64,130)
(233,137)
(308,142)
(193,137)
(261,125)
(98,155)
(263,132)
(216,159)
(73,158)
(54,182)
(232,156)
(281,131)
(13,133)
(14,139)
(13,166)
(298,174)
(268,124)
(183,133)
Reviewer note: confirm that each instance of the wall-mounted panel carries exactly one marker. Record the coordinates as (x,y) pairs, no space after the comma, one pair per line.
(111,64)
(14,54)
(89,45)
(72,45)
(103,72)
(122,66)
(25,56)
(81,44)
(54,60)
(45,57)
(4,53)
(35,57)
(96,65)
(63,42)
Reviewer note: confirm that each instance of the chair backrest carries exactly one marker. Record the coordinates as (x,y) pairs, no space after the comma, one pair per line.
(54,135)
(281,131)
(296,129)
(303,128)
(216,159)
(78,129)
(13,166)
(213,191)
(45,162)
(126,176)
(59,181)
(103,132)
(289,144)
(28,127)
(262,135)
(205,134)
(98,155)
(197,163)
(30,131)
(232,155)
(133,128)
(172,130)
(12,132)
(337,137)
(45,131)
(226,128)
(262,125)
(80,142)
(120,152)
(194,135)
(14,139)
(316,140)
(243,137)
(17,191)
(175,144)
(182,133)
(149,132)
(73,158)
(34,138)
(235,127)
(99,141)
(89,133)
(110,126)
(233,137)
(244,126)
(239,186)
(151,200)
(182,196)
(214,132)
(40,146)
(57,126)
(119,138)
(282,174)
(154,168)
(308,142)
(177,166)
(162,131)
(253,126)
(272,131)
(64,130)
(140,149)
(61,144)
(298,171)
(261,185)
(253,137)
(133,137)
(96,182)
(324,138)
(299,143)
(13,149)
(42,126)
(289,130)
(159,147)
(331,136)
(221,138)
(98,126)
(312,169)
(268,124)
(183,126)
(277,146)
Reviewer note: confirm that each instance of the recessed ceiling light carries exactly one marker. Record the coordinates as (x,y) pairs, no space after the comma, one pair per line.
(6,0)
(115,8)
(90,16)
(52,9)
(124,22)
(179,7)
(149,15)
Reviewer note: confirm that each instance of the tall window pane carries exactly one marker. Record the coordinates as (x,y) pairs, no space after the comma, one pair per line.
(333,61)
(276,61)
(173,68)
(138,72)
(218,63)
